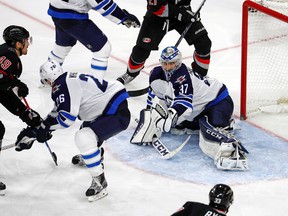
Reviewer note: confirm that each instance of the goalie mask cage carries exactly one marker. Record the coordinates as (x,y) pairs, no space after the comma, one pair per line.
(264,57)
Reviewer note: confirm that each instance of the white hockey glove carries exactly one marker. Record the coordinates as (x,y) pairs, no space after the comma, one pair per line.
(130,20)
(186,14)
(168,121)
(146,128)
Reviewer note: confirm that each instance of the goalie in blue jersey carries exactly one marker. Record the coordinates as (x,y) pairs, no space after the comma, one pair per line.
(189,102)
(101,105)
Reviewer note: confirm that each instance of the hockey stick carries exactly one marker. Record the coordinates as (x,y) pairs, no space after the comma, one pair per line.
(143,91)
(164,151)
(136,93)
(7,146)
(53,155)
(190,24)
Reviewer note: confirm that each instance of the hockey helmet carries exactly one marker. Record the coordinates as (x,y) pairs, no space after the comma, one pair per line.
(171,60)
(13,34)
(221,197)
(50,71)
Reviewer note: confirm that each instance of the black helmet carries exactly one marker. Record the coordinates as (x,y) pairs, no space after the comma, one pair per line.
(221,197)
(13,34)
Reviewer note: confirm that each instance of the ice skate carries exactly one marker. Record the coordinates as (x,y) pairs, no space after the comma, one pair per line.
(127,77)
(2,189)
(97,190)
(78,159)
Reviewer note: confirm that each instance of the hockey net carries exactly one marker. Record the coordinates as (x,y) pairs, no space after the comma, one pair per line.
(264,58)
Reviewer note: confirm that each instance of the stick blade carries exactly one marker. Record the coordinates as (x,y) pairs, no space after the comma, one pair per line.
(174,152)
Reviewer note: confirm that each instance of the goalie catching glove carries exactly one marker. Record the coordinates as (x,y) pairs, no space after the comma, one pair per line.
(152,123)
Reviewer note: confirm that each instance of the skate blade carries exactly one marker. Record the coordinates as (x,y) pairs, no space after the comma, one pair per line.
(2,192)
(102,194)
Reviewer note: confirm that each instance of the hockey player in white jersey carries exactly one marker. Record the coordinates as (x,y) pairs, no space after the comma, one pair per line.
(72,24)
(191,102)
(101,105)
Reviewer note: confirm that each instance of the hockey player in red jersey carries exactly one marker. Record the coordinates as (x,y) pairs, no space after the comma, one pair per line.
(12,89)
(220,199)
(161,17)
(2,132)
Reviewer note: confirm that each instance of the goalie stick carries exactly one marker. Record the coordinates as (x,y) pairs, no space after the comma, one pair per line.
(143,91)
(164,151)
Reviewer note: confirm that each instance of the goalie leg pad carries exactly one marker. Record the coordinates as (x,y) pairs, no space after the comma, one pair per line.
(221,145)
(231,157)
(146,128)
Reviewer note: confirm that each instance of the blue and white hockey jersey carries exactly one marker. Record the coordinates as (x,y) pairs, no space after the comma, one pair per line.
(186,92)
(78,9)
(85,97)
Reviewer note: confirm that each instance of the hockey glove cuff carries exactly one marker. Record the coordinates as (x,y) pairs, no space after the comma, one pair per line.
(43,132)
(25,139)
(22,89)
(30,117)
(186,14)
(170,121)
(130,20)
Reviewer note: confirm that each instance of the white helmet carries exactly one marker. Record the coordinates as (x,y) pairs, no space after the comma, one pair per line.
(170,54)
(50,71)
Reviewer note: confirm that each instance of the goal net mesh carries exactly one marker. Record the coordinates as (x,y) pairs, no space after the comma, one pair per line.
(266,81)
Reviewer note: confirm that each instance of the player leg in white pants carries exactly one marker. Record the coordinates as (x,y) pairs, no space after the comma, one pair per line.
(87,143)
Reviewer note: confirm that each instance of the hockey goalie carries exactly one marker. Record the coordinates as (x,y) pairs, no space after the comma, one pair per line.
(188,102)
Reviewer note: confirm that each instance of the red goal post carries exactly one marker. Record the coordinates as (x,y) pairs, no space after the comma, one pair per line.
(264,56)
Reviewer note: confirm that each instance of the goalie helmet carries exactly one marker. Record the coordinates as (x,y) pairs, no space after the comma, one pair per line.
(221,197)
(50,71)
(171,60)
(13,34)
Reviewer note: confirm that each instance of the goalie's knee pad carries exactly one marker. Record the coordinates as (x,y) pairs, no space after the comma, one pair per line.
(59,53)
(99,60)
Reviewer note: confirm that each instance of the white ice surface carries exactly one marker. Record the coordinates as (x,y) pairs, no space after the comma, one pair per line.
(35,186)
